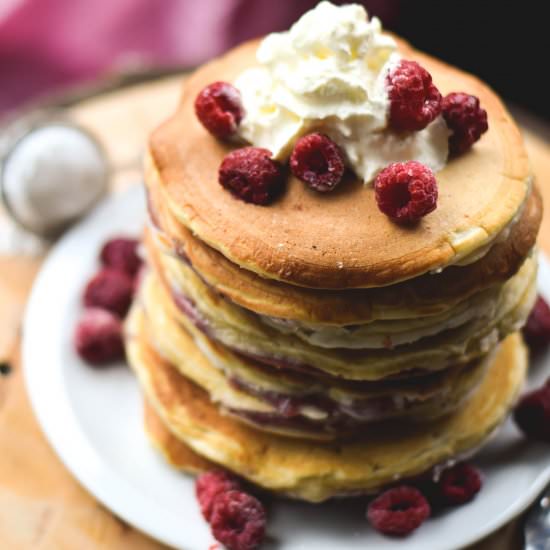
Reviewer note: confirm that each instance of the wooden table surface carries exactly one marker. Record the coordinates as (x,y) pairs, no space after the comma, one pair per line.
(41,505)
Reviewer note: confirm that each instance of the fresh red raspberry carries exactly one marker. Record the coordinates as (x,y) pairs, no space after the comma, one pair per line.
(238,521)
(98,337)
(406,191)
(110,289)
(466,120)
(398,511)
(121,254)
(459,484)
(210,485)
(219,108)
(251,175)
(414,99)
(537,329)
(317,161)
(532,413)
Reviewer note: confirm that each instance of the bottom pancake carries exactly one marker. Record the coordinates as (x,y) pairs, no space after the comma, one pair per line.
(316,471)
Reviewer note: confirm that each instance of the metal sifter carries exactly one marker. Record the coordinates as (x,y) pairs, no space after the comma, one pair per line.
(52,171)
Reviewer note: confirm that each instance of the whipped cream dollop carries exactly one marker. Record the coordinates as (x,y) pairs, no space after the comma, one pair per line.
(328,74)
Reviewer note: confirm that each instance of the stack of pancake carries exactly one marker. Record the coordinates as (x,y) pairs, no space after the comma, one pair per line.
(313,346)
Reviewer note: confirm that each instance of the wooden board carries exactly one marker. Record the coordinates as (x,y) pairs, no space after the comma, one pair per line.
(41,506)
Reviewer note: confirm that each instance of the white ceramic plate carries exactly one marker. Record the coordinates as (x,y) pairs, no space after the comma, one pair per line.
(93,419)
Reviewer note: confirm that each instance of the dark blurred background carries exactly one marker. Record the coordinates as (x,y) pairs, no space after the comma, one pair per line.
(507,44)
(51,45)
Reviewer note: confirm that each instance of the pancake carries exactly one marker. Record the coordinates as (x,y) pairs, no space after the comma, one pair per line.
(307,408)
(243,333)
(372,335)
(172,449)
(341,239)
(317,471)
(430,294)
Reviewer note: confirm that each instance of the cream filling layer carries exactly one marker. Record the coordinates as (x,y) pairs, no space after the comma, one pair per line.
(374,335)
(172,342)
(244,332)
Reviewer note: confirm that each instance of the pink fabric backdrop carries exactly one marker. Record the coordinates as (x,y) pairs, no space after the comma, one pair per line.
(48,44)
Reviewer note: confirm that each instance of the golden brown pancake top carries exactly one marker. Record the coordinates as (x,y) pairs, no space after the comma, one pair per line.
(340,239)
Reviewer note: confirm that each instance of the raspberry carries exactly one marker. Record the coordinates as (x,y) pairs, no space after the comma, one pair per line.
(219,109)
(111,290)
(98,337)
(398,511)
(238,521)
(459,484)
(537,329)
(317,161)
(251,175)
(414,99)
(209,486)
(532,414)
(406,191)
(121,254)
(466,120)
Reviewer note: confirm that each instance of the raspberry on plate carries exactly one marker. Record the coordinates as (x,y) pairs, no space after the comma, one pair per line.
(218,107)
(317,161)
(238,521)
(111,290)
(536,331)
(459,484)
(251,175)
(98,337)
(466,120)
(210,485)
(406,191)
(398,511)
(532,413)
(121,253)
(414,99)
